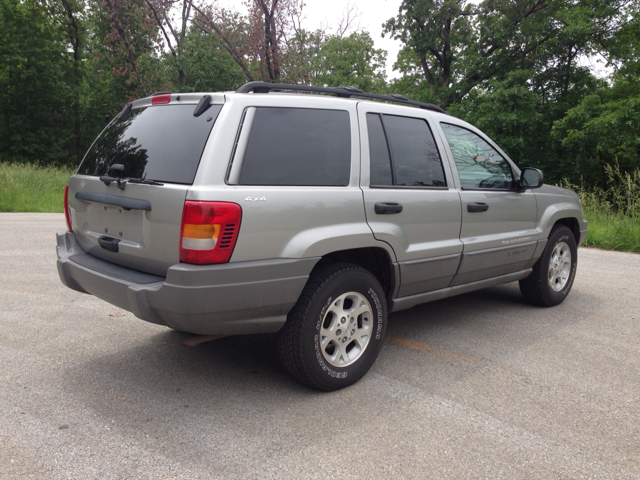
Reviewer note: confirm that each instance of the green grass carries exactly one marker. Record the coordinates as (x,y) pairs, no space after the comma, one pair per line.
(613,212)
(612,232)
(30,188)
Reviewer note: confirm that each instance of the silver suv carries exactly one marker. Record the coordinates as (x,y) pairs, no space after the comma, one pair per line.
(274,209)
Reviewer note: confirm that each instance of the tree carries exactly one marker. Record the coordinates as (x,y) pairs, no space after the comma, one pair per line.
(511,113)
(208,66)
(268,19)
(460,46)
(230,29)
(35,79)
(351,60)
(603,129)
(128,39)
(165,19)
(258,42)
(69,14)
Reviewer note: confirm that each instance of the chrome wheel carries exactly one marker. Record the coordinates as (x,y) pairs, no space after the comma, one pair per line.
(346,329)
(559,266)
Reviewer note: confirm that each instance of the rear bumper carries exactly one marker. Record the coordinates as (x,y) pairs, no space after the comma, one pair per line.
(226,299)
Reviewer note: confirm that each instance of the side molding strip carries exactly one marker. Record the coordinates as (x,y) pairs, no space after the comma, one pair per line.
(413,300)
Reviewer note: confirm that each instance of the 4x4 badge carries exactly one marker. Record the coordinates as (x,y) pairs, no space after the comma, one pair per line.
(256,199)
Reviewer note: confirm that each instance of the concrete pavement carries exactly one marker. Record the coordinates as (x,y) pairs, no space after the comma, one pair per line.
(477,386)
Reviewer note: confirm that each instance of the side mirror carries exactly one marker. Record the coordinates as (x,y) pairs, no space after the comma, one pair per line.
(531,178)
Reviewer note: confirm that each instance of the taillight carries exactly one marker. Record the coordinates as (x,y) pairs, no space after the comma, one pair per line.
(67,217)
(209,231)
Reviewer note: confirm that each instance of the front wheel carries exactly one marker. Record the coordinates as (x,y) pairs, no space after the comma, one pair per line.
(554,272)
(335,331)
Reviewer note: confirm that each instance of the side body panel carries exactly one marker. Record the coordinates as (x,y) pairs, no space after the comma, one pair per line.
(284,221)
(555,203)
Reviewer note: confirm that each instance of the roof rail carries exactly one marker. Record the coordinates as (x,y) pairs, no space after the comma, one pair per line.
(345,92)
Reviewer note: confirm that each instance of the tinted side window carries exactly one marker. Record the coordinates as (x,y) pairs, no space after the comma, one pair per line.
(297,146)
(415,160)
(162,142)
(479,165)
(380,162)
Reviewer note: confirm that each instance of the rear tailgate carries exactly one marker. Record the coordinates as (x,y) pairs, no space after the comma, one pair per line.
(137,225)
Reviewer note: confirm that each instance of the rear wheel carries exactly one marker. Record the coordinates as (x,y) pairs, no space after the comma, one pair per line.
(334,332)
(554,272)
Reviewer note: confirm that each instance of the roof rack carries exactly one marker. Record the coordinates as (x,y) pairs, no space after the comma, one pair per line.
(344,92)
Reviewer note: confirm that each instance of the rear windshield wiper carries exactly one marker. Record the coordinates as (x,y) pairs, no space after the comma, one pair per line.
(143,180)
(122,182)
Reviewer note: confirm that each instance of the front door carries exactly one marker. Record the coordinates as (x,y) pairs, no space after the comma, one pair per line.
(498,221)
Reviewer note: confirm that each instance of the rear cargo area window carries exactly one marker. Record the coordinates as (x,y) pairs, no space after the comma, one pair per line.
(298,146)
(161,142)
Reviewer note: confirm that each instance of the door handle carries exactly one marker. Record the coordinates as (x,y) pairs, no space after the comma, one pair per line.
(477,207)
(109,243)
(383,208)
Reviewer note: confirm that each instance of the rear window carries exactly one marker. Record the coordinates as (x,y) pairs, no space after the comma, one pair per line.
(162,143)
(409,159)
(298,146)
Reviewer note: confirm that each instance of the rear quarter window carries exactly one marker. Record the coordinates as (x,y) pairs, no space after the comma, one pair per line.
(298,146)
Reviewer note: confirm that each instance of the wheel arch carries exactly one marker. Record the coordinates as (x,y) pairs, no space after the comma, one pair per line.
(376,260)
(572,224)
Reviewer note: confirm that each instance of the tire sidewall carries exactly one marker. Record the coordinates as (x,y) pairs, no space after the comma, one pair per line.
(561,235)
(332,377)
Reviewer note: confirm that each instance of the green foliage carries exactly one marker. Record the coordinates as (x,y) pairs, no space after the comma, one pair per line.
(298,60)
(124,41)
(208,67)
(602,128)
(351,60)
(459,46)
(613,211)
(510,113)
(31,188)
(612,232)
(35,79)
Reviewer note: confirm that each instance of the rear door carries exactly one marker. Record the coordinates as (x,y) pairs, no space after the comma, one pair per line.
(498,221)
(159,147)
(409,202)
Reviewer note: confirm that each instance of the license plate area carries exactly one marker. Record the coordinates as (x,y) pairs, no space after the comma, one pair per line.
(116,222)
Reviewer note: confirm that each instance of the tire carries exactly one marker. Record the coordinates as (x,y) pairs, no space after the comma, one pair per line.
(315,346)
(554,272)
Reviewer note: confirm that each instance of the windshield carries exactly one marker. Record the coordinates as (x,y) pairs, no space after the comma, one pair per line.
(162,143)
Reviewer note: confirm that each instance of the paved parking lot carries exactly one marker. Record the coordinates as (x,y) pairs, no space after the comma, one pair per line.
(477,386)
